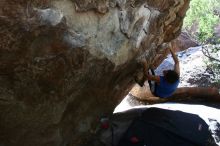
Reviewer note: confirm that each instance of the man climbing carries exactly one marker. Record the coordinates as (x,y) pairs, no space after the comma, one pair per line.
(163,86)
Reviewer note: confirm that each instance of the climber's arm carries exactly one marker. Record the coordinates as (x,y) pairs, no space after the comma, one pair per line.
(146,75)
(144,63)
(176,61)
(153,78)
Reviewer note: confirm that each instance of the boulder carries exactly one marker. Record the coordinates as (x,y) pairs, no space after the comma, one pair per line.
(65,64)
(183,42)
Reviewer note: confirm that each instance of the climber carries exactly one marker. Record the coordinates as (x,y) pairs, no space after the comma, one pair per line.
(163,86)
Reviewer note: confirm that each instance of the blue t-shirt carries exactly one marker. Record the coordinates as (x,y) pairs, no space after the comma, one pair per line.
(165,89)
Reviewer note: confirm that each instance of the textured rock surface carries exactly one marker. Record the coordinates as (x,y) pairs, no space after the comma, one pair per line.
(183,42)
(64,64)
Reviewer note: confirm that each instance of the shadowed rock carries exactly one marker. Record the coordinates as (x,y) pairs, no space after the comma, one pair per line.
(64,64)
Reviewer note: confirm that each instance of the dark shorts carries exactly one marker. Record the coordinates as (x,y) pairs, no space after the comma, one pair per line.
(153,87)
(152,84)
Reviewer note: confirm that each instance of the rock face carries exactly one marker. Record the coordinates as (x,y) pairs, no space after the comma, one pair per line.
(64,64)
(183,42)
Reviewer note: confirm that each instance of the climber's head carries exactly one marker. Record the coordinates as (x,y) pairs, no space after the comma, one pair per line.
(171,76)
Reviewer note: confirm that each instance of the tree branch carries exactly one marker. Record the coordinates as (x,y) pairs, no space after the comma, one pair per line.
(207,54)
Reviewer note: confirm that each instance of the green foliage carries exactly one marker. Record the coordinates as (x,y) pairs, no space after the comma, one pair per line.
(212,52)
(201,15)
(214,66)
(200,20)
